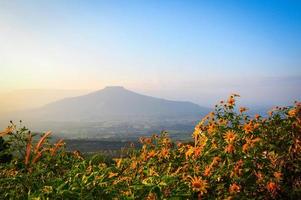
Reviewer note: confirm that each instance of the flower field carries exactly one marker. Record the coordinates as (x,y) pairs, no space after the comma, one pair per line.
(231,156)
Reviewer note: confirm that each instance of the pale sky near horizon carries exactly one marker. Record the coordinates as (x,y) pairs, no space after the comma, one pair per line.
(187,50)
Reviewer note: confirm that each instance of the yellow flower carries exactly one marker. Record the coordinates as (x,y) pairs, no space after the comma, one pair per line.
(229,136)
(199,185)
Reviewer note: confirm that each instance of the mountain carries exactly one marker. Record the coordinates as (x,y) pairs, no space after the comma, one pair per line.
(115,102)
(113,113)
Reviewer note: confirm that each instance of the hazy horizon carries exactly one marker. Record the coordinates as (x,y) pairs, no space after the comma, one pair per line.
(198,51)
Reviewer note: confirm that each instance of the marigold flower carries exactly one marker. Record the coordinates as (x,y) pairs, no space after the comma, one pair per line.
(237,171)
(197,151)
(189,152)
(134,165)
(229,148)
(211,128)
(234,188)
(248,128)
(278,175)
(207,170)
(231,101)
(164,153)
(292,112)
(259,176)
(151,154)
(229,136)
(242,109)
(223,122)
(272,187)
(199,185)
(245,147)
(118,162)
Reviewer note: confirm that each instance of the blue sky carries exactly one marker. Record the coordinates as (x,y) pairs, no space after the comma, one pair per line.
(186,50)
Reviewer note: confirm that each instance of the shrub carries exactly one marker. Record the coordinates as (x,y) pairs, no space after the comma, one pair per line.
(231,156)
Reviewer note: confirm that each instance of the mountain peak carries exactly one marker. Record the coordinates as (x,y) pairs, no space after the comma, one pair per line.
(114,88)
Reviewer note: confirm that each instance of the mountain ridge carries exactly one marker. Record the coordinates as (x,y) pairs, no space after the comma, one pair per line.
(115,102)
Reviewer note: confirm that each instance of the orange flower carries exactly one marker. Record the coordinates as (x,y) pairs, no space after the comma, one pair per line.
(292,112)
(234,188)
(237,171)
(189,152)
(134,165)
(207,170)
(248,128)
(151,154)
(278,175)
(223,122)
(242,109)
(229,136)
(229,148)
(118,162)
(198,184)
(272,187)
(111,174)
(231,101)
(211,128)
(257,116)
(197,151)
(259,176)
(245,147)
(164,153)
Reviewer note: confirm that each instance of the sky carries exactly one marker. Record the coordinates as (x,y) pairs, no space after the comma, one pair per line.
(199,51)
